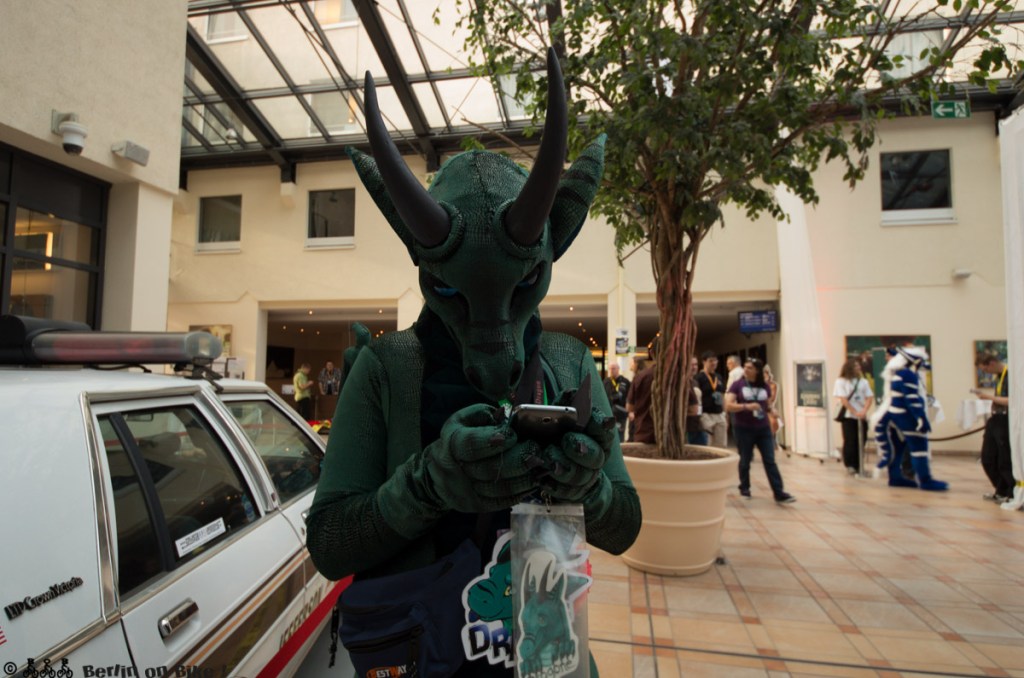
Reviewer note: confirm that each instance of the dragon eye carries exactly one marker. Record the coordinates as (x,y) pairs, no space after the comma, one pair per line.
(530,280)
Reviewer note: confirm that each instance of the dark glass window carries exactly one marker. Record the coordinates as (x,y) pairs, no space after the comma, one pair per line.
(292,459)
(138,551)
(220,219)
(201,493)
(332,214)
(47,290)
(916,180)
(5,171)
(176,490)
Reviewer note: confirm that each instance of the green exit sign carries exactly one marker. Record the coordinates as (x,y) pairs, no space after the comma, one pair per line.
(951,109)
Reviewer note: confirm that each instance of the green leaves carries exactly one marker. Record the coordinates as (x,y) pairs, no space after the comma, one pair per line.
(705,100)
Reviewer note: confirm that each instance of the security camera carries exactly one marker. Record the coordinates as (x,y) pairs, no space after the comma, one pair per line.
(73,136)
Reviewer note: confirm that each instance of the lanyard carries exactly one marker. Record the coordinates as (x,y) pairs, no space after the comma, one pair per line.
(713,381)
(999,387)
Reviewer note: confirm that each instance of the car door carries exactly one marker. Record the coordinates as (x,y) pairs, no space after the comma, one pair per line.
(208,571)
(292,454)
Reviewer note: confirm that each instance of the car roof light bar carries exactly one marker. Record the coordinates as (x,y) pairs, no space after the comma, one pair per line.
(31,341)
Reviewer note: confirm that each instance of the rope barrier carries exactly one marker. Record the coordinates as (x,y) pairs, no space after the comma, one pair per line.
(959,435)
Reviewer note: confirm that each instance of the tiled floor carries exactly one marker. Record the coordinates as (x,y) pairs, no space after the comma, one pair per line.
(855,579)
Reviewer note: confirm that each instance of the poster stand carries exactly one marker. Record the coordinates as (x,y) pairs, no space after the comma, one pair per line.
(813,430)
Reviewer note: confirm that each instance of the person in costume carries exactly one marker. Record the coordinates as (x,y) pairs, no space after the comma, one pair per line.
(901,423)
(422,456)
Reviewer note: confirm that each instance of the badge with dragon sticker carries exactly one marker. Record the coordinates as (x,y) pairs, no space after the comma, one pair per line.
(488,604)
(550,575)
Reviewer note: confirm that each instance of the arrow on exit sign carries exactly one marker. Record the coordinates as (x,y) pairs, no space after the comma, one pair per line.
(951,109)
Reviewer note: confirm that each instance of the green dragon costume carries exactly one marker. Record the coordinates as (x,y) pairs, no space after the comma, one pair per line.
(421,455)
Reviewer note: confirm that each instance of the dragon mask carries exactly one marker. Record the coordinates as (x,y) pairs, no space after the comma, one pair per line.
(486,232)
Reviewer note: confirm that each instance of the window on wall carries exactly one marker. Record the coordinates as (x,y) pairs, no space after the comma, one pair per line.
(916,187)
(220,223)
(51,240)
(336,110)
(331,13)
(53,266)
(332,218)
(225,26)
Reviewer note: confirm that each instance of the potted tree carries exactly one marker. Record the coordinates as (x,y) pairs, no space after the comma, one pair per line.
(707,103)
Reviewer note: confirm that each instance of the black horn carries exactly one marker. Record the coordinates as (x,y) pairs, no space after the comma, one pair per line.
(524,221)
(426,220)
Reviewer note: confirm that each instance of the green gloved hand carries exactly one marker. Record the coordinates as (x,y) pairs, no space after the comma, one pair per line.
(572,468)
(476,466)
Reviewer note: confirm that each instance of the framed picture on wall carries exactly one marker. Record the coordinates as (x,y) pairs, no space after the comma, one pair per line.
(870,350)
(222,332)
(810,384)
(982,347)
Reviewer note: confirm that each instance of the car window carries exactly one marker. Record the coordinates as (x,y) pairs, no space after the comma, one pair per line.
(292,459)
(174,483)
(138,551)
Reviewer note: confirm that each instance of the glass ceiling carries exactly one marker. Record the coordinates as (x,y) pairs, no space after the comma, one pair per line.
(280,81)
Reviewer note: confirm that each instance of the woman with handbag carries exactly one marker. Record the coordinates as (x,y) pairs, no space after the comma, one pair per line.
(853,394)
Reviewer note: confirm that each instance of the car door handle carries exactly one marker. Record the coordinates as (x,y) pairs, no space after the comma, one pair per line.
(174,619)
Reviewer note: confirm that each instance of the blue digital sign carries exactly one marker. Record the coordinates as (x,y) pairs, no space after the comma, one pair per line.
(752,322)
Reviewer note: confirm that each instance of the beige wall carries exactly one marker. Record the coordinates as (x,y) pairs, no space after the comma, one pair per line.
(871,279)
(875,279)
(118,65)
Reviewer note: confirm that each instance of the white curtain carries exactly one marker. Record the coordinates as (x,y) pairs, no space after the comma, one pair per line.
(1011,146)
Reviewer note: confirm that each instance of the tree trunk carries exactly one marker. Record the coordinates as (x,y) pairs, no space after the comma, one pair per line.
(677,342)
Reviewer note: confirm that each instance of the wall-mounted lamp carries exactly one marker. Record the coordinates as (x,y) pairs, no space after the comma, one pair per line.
(961,273)
(71,132)
(131,151)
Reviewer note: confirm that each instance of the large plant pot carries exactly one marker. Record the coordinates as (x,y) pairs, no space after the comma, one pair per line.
(683,506)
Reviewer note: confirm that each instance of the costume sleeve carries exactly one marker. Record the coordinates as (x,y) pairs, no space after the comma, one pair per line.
(346,531)
(613,518)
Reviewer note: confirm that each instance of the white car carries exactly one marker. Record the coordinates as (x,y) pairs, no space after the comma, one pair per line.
(151,524)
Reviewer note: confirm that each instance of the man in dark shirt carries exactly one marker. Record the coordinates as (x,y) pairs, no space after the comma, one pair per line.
(617,387)
(712,395)
(995,446)
(638,402)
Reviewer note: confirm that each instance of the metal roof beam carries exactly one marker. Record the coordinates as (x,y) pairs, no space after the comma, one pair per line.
(373,24)
(272,56)
(210,67)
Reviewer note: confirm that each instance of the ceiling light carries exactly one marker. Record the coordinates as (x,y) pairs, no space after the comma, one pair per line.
(311,311)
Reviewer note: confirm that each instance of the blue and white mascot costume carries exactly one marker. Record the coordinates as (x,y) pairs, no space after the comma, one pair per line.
(901,423)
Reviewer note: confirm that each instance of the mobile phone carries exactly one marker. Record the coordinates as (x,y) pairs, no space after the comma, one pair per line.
(542,422)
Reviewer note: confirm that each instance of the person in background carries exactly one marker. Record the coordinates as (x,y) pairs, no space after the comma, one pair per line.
(748,401)
(329,380)
(995,446)
(616,387)
(774,420)
(853,392)
(712,400)
(304,391)
(734,370)
(695,433)
(638,401)
(638,365)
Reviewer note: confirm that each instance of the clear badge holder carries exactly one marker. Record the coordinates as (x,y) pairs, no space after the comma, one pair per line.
(550,580)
